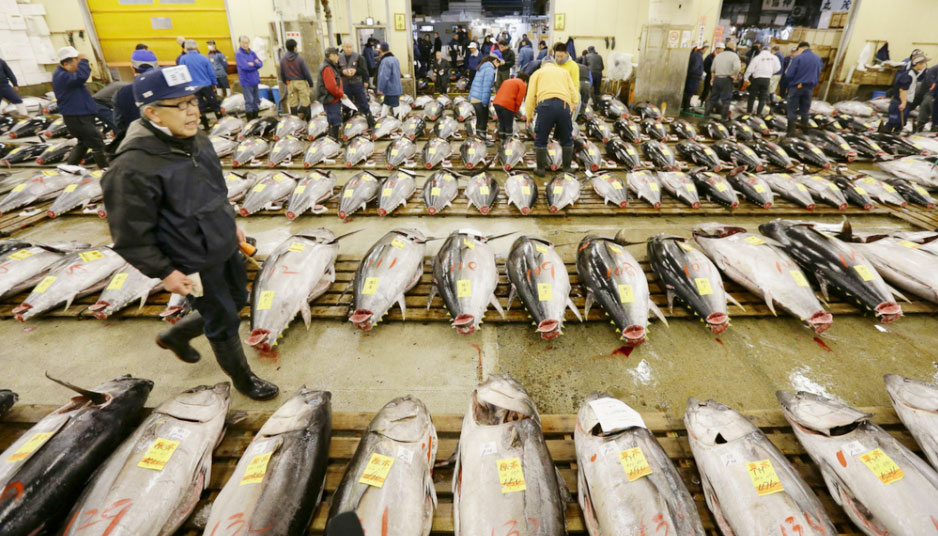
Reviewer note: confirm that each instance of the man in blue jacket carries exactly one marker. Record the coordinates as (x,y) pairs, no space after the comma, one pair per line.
(389,80)
(695,71)
(203,75)
(904,88)
(248,66)
(8,88)
(802,76)
(123,103)
(77,107)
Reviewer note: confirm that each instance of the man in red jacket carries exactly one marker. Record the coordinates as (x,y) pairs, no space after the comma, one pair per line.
(329,91)
(507,102)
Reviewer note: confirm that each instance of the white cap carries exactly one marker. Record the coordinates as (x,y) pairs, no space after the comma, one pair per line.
(720,44)
(66,53)
(473,45)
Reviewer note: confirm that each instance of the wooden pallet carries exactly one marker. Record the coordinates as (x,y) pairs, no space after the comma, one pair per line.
(558,430)
(336,303)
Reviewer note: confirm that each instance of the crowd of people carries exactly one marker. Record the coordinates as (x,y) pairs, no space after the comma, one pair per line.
(795,77)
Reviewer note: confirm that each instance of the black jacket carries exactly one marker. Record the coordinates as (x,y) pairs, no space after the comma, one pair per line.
(440,68)
(695,64)
(167,203)
(508,56)
(6,75)
(125,108)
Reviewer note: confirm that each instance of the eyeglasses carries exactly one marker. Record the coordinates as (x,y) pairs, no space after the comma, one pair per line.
(181,106)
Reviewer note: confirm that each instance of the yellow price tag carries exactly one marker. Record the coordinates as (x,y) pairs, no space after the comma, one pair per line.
(435,190)
(551,152)
(394,152)
(255,471)
(616,185)
(685,246)
(720,187)
(906,243)
(279,177)
(511,475)
(882,466)
(448,178)
(71,188)
(19,187)
(370,286)
(703,286)
(469,243)
(541,248)
(231,177)
(754,240)
(860,190)
(634,463)
(798,277)
(626,293)
(349,192)
(21,254)
(525,190)
(297,247)
(869,180)
(844,146)
(376,472)
(89,256)
(397,243)
(615,249)
(471,150)
(30,446)
(759,188)
(801,187)
(764,478)
(889,188)
(299,189)
(653,186)
(45,284)
(386,192)
(277,150)
(159,454)
(558,190)
(833,186)
(259,188)
(920,190)
(117,281)
(509,152)
(690,187)
(866,273)
(593,152)
(265,300)
(463,288)
(431,150)
(545,292)
(484,190)
(816,151)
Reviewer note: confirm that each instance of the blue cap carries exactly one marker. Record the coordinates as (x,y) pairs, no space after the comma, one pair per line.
(142,57)
(163,83)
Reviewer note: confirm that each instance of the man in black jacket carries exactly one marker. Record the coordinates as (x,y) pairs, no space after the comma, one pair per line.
(695,70)
(169,216)
(707,65)
(508,61)
(355,80)
(8,88)
(440,72)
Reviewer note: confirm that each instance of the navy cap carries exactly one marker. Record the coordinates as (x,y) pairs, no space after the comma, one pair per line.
(163,83)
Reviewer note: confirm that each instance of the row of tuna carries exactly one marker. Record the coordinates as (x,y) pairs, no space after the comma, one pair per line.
(85,469)
(778,266)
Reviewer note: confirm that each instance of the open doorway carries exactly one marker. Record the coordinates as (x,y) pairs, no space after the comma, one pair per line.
(363,33)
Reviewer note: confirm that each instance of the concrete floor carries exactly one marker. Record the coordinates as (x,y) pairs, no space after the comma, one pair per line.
(743,367)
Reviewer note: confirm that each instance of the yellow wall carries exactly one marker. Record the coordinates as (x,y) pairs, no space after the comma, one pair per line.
(623,19)
(912,26)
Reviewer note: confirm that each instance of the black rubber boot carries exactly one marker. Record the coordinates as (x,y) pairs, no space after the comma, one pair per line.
(334,132)
(567,158)
(791,129)
(176,338)
(231,358)
(371,122)
(540,155)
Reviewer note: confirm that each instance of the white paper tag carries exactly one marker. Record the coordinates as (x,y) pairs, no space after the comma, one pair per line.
(405,455)
(177,75)
(488,448)
(177,434)
(613,415)
(854,448)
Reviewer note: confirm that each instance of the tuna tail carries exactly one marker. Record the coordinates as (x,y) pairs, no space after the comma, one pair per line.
(95,397)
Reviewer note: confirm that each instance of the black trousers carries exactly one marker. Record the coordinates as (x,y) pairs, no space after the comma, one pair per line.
(706,88)
(551,114)
(506,119)
(441,84)
(722,93)
(208,100)
(356,92)
(224,294)
(482,118)
(597,83)
(758,89)
(82,128)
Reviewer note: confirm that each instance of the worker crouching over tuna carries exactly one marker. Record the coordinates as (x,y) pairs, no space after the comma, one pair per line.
(170,218)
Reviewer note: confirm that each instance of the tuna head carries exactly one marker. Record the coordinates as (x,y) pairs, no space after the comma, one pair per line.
(500,399)
(912,393)
(683,129)
(482,192)
(645,185)
(319,150)
(395,191)
(521,191)
(200,404)
(539,277)
(611,188)
(413,127)
(680,186)
(817,414)
(439,190)
(404,419)
(289,125)
(712,423)
(318,126)
(227,126)
(588,155)
(399,151)
(562,191)
(284,151)
(473,152)
(355,126)
(358,150)
(435,152)
(385,126)
(511,153)
(249,150)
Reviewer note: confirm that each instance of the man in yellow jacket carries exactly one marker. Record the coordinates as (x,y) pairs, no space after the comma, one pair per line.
(553,97)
